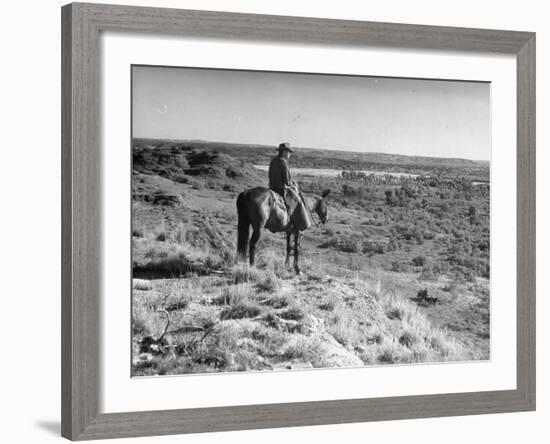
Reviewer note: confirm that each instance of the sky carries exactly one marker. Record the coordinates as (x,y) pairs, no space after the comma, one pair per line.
(352,113)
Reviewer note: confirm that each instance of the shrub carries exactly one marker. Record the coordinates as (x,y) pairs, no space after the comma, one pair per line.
(395,312)
(180,178)
(389,196)
(242,273)
(315,276)
(243,309)
(388,354)
(345,244)
(427,273)
(399,267)
(269,282)
(179,234)
(196,185)
(329,305)
(277,302)
(293,314)
(171,260)
(418,236)
(397,308)
(141,284)
(166,198)
(373,248)
(233,295)
(419,261)
(429,235)
(345,331)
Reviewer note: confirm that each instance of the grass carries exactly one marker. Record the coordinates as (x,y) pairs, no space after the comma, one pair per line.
(269,282)
(244,309)
(294,313)
(239,302)
(141,284)
(173,260)
(354,305)
(345,331)
(243,273)
(234,294)
(417,339)
(245,329)
(277,301)
(304,349)
(279,327)
(329,305)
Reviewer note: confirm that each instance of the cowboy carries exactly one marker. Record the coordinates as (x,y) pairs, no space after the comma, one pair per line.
(279,173)
(281,182)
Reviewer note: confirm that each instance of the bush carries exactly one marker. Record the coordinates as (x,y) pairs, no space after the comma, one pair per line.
(269,282)
(171,260)
(233,295)
(137,232)
(166,199)
(408,339)
(427,273)
(373,248)
(419,261)
(180,178)
(399,267)
(276,302)
(196,185)
(418,236)
(243,273)
(244,309)
(345,244)
(293,314)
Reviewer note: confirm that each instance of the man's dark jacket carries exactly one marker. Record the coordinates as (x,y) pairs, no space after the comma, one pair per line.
(279,175)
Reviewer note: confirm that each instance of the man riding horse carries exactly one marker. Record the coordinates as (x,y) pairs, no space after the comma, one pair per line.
(279,173)
(281,182)
(279,208)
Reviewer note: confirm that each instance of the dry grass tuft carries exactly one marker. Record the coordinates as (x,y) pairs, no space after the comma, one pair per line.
(141,284)
(269,282)
(293,313)
(244,273)
(277,301)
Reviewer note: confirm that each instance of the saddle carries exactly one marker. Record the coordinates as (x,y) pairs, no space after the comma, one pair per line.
(289,212)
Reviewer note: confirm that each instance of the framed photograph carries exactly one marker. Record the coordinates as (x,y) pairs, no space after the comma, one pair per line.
(278,221)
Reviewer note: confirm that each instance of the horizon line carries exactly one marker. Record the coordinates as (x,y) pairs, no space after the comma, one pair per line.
(309,148)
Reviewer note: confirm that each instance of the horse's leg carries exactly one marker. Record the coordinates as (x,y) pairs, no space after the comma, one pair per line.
(257,231)
(297,236)
(288,248)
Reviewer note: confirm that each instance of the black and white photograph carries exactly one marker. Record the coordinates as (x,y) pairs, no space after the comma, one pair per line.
(275,222)
(293,221)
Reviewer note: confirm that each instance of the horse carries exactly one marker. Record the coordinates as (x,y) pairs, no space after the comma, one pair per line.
(257,207)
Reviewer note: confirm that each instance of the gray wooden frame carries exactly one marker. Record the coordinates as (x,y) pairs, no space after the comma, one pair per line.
(81,166)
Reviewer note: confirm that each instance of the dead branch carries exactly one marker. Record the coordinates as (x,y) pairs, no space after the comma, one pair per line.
(167,323)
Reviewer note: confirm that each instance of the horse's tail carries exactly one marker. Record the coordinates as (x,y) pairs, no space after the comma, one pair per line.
(243,227)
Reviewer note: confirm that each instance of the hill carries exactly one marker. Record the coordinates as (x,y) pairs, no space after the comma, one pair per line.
(332,159)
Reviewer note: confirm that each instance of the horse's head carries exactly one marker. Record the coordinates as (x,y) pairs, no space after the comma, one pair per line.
(321,207)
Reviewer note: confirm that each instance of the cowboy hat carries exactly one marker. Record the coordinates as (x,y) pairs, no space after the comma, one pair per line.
(285,146)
